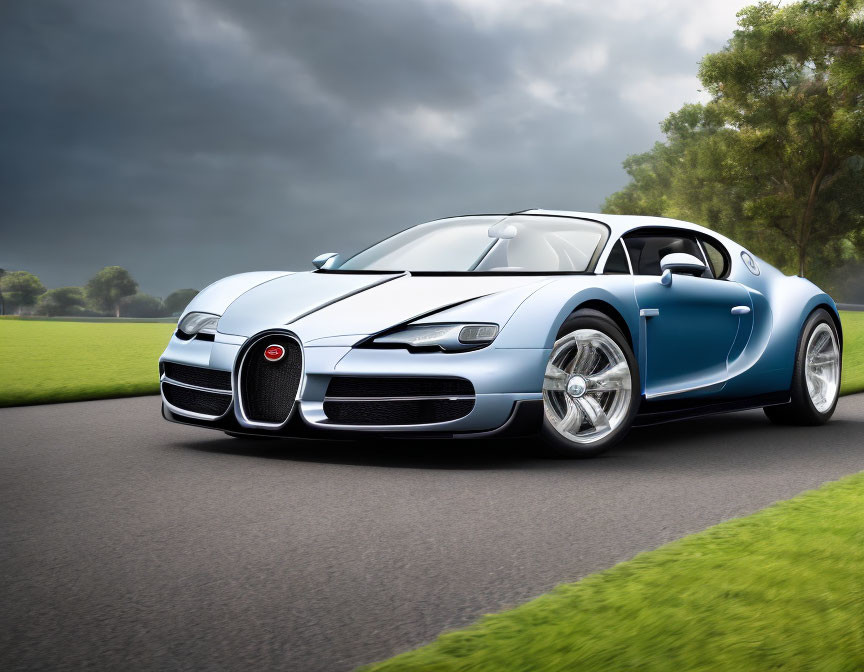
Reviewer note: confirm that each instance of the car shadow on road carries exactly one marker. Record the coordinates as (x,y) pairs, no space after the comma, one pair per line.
(460,454)
(742,438)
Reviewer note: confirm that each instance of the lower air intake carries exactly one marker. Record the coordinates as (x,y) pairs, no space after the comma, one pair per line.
(196,401)
(356,386)
(198,376)
(267,387)
(401,412)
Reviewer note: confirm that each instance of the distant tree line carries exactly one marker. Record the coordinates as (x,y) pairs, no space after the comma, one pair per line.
(776,159)
(111,292)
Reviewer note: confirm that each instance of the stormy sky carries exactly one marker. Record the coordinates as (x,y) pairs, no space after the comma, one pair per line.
(191,139)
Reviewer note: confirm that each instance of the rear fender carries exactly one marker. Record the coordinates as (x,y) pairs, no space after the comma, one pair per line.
(769,358)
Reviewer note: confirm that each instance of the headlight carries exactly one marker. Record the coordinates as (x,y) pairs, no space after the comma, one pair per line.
(195,323)
(447,337)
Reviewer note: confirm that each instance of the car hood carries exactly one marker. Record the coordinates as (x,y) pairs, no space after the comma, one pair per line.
(321,307)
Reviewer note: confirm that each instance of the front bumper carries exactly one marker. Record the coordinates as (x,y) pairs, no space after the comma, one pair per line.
(507,384)
(525,419)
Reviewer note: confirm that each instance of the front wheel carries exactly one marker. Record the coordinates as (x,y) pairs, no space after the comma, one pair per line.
(590,387)
(816,376)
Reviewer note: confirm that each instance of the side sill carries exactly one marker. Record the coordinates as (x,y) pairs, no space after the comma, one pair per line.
(655,412)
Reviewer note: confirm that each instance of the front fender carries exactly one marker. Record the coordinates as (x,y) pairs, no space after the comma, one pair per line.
(216,297)
(537,321)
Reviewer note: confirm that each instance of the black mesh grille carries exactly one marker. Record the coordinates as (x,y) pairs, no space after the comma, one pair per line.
(414,412)
(269,388)
(199,377)
(350,386)
(197,401)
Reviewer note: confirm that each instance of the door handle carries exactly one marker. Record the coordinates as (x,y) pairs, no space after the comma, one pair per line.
(741,310)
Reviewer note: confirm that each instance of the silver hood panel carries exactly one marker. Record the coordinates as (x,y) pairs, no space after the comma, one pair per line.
(324,305)
(283,300)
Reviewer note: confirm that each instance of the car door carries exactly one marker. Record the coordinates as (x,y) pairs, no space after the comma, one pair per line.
(688,327)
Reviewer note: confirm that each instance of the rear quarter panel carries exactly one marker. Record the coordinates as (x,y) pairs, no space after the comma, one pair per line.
(781,305)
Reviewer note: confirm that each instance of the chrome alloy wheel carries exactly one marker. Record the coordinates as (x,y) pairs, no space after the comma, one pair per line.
(586,387)
(822,367)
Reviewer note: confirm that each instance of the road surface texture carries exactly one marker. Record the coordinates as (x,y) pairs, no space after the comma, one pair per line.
(129,543)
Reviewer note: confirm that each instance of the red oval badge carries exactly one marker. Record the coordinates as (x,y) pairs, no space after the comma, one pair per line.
(273,353)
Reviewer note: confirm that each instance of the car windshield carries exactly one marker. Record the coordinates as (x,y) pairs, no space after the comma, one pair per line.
(518,243)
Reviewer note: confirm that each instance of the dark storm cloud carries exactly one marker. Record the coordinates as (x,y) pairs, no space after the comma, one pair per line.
(190,139)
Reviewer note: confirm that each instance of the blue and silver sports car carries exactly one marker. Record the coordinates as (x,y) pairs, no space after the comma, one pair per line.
(569,325)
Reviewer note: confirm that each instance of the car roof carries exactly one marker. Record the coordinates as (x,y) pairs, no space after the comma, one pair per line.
(621,224)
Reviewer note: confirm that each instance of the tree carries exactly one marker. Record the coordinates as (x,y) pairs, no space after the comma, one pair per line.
(777,153)
(21,288)
(791,82)
(692,176)
(142,305)
(177,301)
(2,306)
(109,287)
(62,301)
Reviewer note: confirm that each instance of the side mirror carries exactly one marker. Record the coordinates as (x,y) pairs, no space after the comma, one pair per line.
(326,260)
(681,263)
(503,231)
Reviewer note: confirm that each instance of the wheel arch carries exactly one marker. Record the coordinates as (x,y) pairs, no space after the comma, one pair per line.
(835,317)
(609,311)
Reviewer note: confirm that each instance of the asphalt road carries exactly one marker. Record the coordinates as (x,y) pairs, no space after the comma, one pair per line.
(128,543)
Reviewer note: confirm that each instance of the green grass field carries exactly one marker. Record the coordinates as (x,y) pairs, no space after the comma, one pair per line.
(782,589)
(46,361)
(853,352)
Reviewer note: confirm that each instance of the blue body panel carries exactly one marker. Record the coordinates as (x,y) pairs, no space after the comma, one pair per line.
(687,343)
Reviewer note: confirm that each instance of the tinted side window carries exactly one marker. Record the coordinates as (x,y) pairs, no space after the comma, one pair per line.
(617,262)
(647,249)
(718,258)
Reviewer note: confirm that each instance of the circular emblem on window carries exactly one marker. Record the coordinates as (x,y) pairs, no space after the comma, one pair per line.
(273,353)
(750,263)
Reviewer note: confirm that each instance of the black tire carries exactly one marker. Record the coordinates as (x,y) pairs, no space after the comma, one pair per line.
(800,410)
(557,445)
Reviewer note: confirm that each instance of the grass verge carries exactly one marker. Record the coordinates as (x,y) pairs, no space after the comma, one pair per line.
(853,352)
(782,589)
(50,361)
(107,320)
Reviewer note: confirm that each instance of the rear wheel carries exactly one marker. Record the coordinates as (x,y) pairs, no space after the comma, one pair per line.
(590,387)
(816,376)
